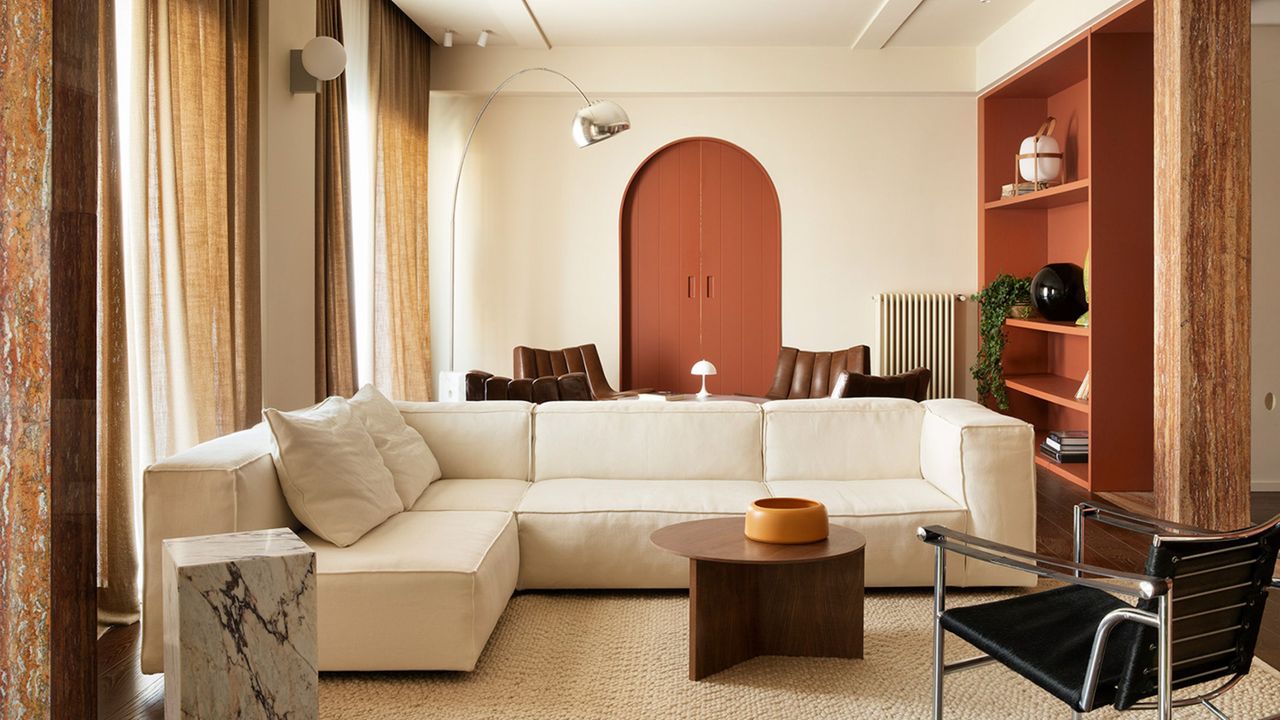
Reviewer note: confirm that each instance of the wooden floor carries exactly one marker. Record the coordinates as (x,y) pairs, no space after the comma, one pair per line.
(125,693)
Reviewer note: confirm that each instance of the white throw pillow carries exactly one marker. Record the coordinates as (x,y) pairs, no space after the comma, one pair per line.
(402,448)
(331,473)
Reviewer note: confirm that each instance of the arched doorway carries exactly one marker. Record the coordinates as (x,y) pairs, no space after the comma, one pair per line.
(701,248)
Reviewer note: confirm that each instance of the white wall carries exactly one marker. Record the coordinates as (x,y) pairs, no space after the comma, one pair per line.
(1040,27)
(287,127)
(877,192)
(1266,255)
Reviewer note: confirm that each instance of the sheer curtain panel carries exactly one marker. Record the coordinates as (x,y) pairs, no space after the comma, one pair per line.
(335,349)
(399,91)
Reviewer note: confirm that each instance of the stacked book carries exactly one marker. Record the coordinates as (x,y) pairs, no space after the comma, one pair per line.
(1022,188)
(1066,446)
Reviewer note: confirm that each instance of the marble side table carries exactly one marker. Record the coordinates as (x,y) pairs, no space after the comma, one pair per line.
(240,627)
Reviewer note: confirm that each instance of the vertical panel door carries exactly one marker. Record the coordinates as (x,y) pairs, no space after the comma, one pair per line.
(701,266)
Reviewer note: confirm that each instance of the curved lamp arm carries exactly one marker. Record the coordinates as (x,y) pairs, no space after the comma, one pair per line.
(457,184)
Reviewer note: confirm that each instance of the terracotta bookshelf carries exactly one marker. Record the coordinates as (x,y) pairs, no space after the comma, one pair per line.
(1099,87)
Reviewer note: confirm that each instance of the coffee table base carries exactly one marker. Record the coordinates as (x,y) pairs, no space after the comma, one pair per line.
(738,611)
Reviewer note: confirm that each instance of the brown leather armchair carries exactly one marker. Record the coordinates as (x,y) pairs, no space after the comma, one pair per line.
(808,374)
(486,386)
(531,363)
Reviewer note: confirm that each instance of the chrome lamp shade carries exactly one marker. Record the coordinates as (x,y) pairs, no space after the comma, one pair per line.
(600,120)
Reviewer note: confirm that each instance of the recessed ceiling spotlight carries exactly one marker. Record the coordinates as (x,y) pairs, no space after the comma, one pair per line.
(483,40)
(448,38)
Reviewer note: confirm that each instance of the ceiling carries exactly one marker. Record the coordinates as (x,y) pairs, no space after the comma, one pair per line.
(861,24)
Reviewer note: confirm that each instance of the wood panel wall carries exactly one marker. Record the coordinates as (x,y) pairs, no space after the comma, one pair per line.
(1202,252)
(73,359)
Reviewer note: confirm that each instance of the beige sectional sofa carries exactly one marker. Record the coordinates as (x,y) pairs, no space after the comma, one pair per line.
(565,495)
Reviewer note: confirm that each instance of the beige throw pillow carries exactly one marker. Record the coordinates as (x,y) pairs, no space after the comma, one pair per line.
(402,448)
(331,473)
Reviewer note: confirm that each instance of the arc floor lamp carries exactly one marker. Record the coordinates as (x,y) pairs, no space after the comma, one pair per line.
(596,121)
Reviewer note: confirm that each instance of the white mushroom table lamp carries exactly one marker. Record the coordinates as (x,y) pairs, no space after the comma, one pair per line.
(703,368)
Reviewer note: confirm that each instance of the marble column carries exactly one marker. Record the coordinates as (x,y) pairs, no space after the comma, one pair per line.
(240,627)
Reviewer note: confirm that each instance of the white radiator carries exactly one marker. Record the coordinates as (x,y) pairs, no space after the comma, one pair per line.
(918,330)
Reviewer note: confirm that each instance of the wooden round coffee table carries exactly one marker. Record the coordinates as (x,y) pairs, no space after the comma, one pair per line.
(748,598)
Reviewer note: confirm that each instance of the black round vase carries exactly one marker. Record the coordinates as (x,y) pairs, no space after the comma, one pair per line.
(1058,291)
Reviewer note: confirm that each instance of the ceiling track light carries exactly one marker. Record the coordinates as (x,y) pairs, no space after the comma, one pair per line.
(483,40)
(448,38)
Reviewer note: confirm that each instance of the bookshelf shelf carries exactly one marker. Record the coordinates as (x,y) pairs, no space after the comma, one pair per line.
(1052,388)
(1049,326)
(1065,194)
(1077,473)
(1099,85)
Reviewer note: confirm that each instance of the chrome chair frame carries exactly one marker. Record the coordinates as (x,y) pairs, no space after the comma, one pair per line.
(1076,572)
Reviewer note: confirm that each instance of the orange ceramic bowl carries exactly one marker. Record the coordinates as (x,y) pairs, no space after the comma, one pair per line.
(786,521)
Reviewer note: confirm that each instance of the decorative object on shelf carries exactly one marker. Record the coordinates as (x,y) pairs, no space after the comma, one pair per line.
(1022,311)
(1039,159)
(1085,386)
(786,521)
(1083,320)
(240,626)
(1058,291)
(995,303)
(703,368)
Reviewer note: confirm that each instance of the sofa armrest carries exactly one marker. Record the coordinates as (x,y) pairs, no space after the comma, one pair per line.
(986,462)
(224,485)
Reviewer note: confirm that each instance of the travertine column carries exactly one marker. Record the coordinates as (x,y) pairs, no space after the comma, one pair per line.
(1202,247)
(240,627)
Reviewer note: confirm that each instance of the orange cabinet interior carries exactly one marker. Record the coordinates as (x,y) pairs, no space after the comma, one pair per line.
(1099,86)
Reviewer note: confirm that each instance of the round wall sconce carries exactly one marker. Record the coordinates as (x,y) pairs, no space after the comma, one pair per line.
(322,59)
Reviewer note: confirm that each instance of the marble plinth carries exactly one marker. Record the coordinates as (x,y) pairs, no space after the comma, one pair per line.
(240,627)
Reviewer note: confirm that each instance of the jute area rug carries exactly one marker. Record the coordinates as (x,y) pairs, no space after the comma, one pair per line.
(625,655)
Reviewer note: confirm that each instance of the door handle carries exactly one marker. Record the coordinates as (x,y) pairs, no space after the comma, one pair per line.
(691,286)
(710,290)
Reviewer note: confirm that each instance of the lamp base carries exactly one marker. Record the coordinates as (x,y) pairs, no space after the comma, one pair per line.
(703,394)
(452,386)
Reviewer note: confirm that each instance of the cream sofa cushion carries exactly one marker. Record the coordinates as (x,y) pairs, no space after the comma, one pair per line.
(586,533)
(472,494)
(227,484)
(853,439)
(422,590)
(635,439)
(887,513)
(330,471)
(403,451)
(475,439)
(986,462)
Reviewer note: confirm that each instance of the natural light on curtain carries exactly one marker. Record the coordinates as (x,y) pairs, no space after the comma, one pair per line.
(355,28)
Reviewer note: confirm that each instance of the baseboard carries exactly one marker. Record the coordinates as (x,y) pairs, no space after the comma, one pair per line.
(1266,484)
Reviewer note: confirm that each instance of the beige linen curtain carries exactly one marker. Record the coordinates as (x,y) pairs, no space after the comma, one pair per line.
(335,348)
(195,338)
(178,255)
(117,553)
(399,72)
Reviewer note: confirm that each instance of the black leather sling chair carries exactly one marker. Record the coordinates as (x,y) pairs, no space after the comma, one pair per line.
(1199,607)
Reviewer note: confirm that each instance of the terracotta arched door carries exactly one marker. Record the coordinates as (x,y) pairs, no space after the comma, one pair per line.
(701,269)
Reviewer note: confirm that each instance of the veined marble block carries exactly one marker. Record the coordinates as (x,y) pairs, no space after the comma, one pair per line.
(240,627)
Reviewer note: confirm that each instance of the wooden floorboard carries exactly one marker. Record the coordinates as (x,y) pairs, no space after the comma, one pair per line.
(124,693)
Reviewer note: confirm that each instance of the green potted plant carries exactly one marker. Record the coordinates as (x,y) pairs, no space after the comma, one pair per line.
(995,302)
